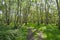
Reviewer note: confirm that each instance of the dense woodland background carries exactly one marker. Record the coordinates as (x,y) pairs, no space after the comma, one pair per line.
(29,19)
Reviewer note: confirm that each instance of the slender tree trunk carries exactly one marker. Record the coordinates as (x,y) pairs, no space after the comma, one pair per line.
(41,17)
(8,20)
(58,8)
(46,13)
(20,14)
(6,15)
(17,17)
(37,12)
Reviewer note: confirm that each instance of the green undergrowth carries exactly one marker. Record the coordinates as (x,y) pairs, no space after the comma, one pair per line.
(50,32)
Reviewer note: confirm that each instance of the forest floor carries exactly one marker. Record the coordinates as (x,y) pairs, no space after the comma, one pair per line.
(49,32)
